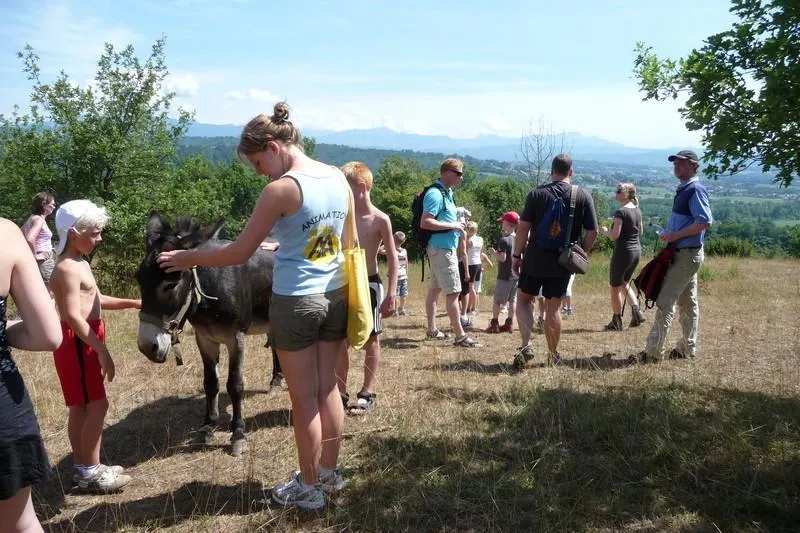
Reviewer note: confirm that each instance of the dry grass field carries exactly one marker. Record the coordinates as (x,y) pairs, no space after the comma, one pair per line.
(460,443)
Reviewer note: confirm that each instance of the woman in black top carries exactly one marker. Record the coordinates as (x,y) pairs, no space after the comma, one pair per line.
(625,233)
(23,460)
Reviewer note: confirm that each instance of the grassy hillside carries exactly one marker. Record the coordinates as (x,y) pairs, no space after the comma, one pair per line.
(460,443)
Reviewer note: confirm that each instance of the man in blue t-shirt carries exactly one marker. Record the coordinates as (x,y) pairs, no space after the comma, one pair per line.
(439,214)
(688,222)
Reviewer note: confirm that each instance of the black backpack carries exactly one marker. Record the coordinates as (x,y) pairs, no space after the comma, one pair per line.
(423,236)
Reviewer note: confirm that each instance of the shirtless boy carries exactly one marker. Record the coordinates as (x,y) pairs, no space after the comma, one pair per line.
(374,232)
(82,361)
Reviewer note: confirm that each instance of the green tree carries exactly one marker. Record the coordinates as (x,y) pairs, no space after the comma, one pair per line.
(309,146)
(743,88)
(111,142)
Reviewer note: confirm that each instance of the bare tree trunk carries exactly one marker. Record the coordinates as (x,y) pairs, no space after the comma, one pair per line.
(538,146)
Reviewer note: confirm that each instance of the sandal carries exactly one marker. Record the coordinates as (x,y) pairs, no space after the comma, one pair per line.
(466,342)
(365,404)
(437,335)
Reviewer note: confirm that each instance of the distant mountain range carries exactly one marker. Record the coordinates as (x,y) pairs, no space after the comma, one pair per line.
(580,146)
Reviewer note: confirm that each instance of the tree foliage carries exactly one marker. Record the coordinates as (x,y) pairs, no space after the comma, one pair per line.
(110,141)
(743,88)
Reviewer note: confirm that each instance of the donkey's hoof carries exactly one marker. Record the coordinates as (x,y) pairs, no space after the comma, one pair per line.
(238,446)
(205,436)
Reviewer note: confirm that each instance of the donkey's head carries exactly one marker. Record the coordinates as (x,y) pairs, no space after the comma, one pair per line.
(165,294)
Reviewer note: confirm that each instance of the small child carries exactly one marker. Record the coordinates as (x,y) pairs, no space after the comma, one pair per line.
(402,272)
(505,290)
(374,228)
(82,361)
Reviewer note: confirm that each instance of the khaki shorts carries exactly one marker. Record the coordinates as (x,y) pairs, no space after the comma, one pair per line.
(46,266)
(444,270)
(298,322)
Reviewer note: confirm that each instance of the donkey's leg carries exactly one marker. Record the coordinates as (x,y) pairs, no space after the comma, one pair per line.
(277,375)
(209,351)
(235,386)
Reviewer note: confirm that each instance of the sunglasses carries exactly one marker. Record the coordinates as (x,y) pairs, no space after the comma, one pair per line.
(619,191)
(457,172)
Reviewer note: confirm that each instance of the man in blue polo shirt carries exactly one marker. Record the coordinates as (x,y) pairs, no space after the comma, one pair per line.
(439,215)
(690,218)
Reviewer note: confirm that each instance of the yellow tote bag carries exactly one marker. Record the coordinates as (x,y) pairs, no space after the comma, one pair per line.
(359,306)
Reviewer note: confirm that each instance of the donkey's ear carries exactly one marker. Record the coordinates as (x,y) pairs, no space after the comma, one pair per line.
(211,232)
(156,227)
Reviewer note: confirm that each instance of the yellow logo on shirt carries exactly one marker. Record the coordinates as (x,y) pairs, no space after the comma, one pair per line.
(323,245)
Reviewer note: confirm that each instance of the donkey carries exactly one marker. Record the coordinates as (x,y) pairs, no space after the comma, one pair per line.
(222,304)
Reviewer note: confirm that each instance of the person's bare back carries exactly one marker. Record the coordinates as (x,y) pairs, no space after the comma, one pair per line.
(374,228)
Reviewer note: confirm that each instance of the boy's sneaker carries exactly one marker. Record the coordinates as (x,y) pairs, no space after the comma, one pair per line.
(494,326)
(466,322)
(437,335)
(117,469)
(554,359)
(401,311)
(507,327)
(332,482)
(104,480)
(466,342)
(637,319)
(566,311)
(293,492)
(522,356)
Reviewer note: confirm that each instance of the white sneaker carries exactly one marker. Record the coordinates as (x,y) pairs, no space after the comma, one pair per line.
(117,469)
(332,482)
(104,480)
(292,492)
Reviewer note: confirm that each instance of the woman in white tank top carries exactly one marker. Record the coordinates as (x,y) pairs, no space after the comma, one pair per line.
(475,259)
(306,203)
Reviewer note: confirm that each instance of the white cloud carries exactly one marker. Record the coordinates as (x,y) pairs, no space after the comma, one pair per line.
(182,84)
(63,39)
(235,95)
(260,95)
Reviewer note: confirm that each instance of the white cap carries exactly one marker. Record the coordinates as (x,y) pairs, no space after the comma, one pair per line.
(68,215)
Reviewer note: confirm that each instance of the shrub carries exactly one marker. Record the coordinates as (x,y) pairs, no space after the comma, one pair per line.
(729,246)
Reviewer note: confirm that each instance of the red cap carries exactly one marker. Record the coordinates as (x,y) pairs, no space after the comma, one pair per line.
(509,216)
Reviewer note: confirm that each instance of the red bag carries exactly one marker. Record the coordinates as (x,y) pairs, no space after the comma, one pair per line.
(652,275)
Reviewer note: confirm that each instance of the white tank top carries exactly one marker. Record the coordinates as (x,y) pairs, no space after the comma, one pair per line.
(474,249)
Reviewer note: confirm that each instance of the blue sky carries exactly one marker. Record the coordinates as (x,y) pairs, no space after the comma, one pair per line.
(457,68)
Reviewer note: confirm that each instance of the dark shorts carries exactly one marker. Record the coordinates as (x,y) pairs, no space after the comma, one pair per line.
(376,295)
(475,273)
(549,287)
(78,366)
(462,274)
(623,265)
(23,459)
(301,321)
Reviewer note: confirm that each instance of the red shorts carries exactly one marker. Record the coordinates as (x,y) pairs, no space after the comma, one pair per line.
(78,367)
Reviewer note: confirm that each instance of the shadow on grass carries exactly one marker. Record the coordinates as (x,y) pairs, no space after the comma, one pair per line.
(193,500)
(470,365)
(161,428)
(400,343)
(667,459)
